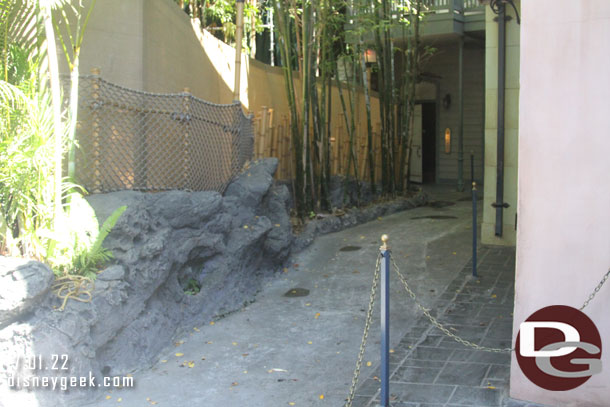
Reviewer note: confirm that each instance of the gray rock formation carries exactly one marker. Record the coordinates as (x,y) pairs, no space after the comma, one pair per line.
(24,283)
(163,244)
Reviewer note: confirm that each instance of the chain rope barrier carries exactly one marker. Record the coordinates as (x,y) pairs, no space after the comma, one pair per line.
(437,324)
(365,334)
(599,286)
(431,318)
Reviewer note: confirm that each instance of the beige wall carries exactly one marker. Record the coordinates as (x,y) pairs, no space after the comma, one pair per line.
(114,42)
(149,45)
(563,240)
(511,126)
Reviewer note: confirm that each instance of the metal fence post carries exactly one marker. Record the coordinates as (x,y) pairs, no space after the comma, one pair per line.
(96,179)
(474,229)
(385,322)
(186,165)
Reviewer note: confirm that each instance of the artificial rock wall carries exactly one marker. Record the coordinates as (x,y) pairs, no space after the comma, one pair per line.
(226,243)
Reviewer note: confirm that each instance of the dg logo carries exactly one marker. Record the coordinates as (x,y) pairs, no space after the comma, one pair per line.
(559,348)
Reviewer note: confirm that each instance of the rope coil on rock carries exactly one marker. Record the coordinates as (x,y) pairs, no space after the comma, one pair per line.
(74,287)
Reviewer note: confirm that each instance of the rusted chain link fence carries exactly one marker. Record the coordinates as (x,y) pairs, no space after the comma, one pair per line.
(144,141)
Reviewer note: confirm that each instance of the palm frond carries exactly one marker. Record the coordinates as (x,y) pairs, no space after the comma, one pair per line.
(107,228)
(11,97)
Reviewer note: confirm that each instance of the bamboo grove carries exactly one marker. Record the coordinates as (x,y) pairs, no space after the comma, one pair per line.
(322,45)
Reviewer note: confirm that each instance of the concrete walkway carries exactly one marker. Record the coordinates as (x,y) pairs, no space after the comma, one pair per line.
(286,350)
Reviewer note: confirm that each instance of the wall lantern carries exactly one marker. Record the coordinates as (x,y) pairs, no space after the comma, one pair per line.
(447,101)
(370,56)
(448,140)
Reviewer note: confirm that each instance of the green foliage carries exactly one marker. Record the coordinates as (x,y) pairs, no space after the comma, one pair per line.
(86,261)
(38,217)
(192,287)
(218,16)
(26,158)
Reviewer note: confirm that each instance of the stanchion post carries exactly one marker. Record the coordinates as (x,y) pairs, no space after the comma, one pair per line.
(471,167)
(474,229)
(385,323)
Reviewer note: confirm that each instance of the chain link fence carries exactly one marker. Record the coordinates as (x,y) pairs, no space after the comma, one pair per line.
(133,140)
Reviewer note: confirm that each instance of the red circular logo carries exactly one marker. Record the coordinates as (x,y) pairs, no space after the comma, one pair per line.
(559,348)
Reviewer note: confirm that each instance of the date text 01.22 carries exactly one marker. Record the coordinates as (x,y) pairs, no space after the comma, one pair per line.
(37,362)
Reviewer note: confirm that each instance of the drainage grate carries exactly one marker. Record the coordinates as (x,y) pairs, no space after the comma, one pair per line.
(440,204)
(437,217)
(469,198)
(349,248)
(297,292)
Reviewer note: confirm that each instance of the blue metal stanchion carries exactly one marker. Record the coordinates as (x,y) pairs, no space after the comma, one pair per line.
(474,229)
(385,323)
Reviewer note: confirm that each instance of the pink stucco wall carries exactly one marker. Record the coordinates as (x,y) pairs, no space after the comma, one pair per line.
(563,237)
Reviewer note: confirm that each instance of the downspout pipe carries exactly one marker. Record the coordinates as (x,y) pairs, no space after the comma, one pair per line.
(499,204)
(239,33)
(460,186)
(499,7)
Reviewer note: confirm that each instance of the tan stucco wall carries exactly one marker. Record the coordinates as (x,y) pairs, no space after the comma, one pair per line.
(511,128)
(151,46)
(563,239)
(114,41)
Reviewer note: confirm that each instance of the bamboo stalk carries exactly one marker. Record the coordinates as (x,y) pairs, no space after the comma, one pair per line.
(261,139)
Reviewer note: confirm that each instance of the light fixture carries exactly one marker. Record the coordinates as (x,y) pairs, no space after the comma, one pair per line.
(370,56)
(447,101)
(448,140)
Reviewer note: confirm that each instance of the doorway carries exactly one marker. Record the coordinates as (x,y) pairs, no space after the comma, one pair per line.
(429,142)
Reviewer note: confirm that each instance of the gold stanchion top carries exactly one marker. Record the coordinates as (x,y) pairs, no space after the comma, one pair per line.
(385,239)
(474,186)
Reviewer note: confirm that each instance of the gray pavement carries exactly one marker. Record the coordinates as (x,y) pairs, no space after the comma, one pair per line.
(301,350)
